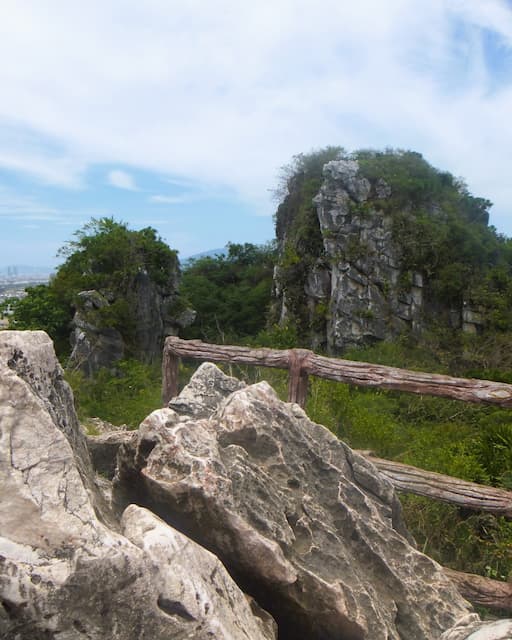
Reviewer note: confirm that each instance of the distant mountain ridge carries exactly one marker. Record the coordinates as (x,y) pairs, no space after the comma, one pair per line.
(211,253)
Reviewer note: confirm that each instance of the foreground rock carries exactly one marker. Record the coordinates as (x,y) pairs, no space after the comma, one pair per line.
(470,629)
(306,526)
(65,572)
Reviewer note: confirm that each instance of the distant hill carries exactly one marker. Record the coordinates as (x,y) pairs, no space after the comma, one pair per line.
(212,253)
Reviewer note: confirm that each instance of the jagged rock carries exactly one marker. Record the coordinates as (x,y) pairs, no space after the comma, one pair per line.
(202,398)
(154,315)
(103,450)
(35,375)
(94,346)
(98,426)
(369,298)
(65,574)
(305,525)
(194,586)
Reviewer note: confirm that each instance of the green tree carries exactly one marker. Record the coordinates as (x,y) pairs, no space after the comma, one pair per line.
(104,255)
(230,293)
(43,309)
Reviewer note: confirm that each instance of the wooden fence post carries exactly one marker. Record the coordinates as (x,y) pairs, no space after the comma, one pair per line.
(298,378)
(170,366)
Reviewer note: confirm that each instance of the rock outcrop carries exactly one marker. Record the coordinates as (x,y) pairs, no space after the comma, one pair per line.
(152,313)
(307,526)
(94,346)
(369,298)
(226,476)
(343,277)
(66,573)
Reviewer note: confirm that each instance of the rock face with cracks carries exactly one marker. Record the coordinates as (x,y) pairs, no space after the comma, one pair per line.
(305,525)
(308,529)
(68,570)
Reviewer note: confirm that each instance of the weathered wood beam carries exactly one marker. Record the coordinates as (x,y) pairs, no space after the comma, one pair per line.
(298,379)
(462,493)
(170,366)
(484,592)
(362,374)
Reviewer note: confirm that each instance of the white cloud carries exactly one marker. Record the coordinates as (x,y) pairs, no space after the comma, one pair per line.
(121,180)
(226,92)
(181,199)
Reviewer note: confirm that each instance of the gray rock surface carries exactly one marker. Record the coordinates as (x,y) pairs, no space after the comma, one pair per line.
(34,373)
(103,449)
(370,298)
(194,586)
(64,573)
(470,628)
(94,346)
(154,314)
(305,525)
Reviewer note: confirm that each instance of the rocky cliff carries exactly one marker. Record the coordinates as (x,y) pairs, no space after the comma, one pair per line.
(150,312)
(230,510)
(379,244)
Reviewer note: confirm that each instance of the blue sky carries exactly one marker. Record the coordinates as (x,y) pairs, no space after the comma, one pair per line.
(178,115)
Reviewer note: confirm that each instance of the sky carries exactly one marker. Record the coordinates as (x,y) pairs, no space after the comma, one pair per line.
(179,115)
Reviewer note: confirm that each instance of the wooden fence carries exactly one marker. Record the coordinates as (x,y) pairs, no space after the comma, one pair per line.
(301,363)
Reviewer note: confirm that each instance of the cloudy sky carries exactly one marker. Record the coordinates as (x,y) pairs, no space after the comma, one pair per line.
(178,115)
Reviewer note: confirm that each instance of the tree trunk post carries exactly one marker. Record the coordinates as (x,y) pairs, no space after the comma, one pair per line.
(170,366)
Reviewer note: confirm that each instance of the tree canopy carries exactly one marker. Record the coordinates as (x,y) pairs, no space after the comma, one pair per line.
(230,293)
(104,255)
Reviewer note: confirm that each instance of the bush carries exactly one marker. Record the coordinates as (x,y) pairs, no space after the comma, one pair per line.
(124,397)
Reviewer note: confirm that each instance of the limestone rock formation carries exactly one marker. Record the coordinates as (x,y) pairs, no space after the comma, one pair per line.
(470,629)
(94,346)
(368,298)
(153,316)
(342,278)
(66,573)
(194,586)
(307,527)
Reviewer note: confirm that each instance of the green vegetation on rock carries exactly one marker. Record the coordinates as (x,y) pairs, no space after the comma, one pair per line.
(438,230)
(105,256)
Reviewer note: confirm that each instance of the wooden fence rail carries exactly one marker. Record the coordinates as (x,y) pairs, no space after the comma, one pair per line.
(464,494)
(302,362)
(481,591)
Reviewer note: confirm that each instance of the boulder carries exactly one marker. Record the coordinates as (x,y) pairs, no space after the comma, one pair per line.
(309,529)
(103,449)
(194,587)
(66,572)
(304,524)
